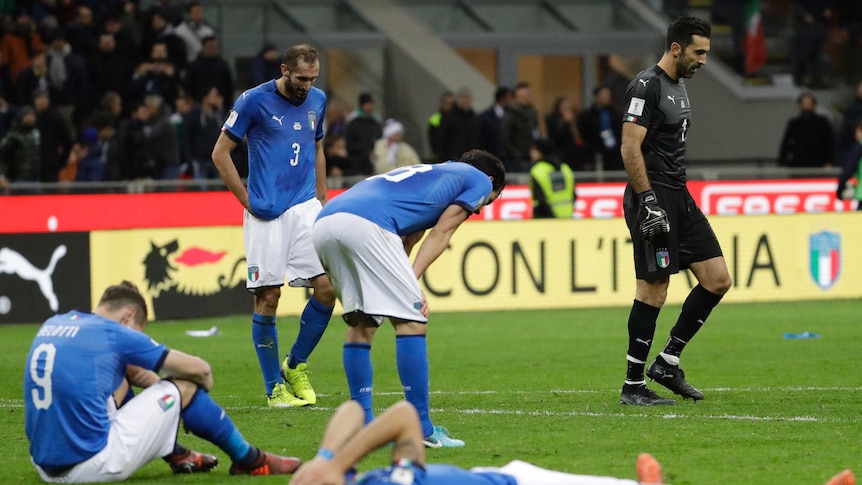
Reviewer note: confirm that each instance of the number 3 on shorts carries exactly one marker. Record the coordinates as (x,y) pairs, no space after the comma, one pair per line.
(404,173)
(44,381)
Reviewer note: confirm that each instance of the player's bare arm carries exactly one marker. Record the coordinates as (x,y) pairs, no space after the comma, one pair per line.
(140,377)
(224,163)
(320,172)
(438,238)
(181,365)
(633,158)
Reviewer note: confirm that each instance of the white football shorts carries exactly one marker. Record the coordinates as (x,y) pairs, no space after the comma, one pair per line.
(281,249)
(144,429)
(368,268)
(529,474)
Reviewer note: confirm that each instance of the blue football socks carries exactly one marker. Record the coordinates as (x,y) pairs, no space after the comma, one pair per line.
(264,334)
(205,418)
(360,375)
(411,355)
(312,324)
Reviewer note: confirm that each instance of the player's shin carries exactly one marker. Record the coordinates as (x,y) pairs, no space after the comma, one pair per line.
(205,418)
(695,310)
(356,357)
(265,337)
(312,324)
(411,355)
(641,328)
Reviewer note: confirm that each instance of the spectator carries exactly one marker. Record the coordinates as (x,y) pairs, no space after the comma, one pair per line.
(852,117)
(266,66)
(7,117)
(203,126)
(33,78)
(601,128)
(163,32)
(489,123)
(124,36)
(82,34)
(519,128)
(850,170)
(163,143)
(193,30)
(183,104)
(459,127)
(109,68)
(361,133)
(335,151)
(91,163)
(166,9)
(336,117)
(110,106)
(808,139)
(67,76)
(133,160)
(391,151)
(19,149)
(157,76)
(18,47)
(55,134)
(564,137)
(207,71)
(435,141)
(811,22)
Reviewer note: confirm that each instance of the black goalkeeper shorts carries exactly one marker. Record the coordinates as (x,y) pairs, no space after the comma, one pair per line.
(691,238)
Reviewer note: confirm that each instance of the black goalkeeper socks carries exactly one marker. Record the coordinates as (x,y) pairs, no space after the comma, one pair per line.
(641,331)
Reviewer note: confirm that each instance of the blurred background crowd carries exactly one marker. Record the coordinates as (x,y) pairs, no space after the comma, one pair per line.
(118,90)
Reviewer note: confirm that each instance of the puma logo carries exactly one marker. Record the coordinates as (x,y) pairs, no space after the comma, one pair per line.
(645,342)
(265,346)
(643,81)
(671,99)
(278,119)
(12,262)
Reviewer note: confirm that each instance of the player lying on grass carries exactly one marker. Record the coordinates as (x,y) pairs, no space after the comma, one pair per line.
(345,442)
(76,363)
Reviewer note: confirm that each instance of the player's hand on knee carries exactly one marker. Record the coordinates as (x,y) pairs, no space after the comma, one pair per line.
(652,218)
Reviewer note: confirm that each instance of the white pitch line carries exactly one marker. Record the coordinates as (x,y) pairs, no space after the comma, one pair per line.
(518,412)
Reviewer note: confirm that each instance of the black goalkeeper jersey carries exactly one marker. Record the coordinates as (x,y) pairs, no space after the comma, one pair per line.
(661,105)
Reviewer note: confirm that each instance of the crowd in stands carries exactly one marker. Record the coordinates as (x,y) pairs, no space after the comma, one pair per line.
(102,90)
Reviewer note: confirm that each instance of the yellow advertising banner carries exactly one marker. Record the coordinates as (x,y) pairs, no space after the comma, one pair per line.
(500,265)
(183,272)
(589,262)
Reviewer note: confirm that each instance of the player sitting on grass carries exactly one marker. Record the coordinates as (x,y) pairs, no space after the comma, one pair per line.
(76,363)
(345,442)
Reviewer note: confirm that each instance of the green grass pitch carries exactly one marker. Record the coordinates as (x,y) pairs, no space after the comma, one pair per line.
(543,386)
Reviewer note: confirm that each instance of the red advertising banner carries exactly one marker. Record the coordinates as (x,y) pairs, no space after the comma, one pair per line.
(73,213)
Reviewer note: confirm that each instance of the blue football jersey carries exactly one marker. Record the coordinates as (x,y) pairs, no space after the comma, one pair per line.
(411,199)
(282,146)
(76,362)
(431,475)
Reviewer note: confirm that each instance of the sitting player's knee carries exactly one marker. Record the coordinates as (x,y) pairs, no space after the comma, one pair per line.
(187,390)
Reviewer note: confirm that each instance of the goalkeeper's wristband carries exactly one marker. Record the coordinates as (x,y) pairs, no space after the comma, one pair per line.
(647,197)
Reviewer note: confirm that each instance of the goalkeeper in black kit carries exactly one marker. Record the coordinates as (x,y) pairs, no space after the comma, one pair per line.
(668,230)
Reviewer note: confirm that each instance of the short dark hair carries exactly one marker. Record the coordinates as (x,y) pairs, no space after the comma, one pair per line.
(125,294)
(600,88)
(806,94)
(191,5)
(488,164)
(501,93)
(307,53)
(682,29)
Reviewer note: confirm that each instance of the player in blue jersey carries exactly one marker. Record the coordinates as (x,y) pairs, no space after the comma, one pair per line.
(364,238)
(283,120)
(345,442)
(75,365)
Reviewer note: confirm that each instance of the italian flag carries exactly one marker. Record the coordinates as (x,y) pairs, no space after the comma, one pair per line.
(755,41)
